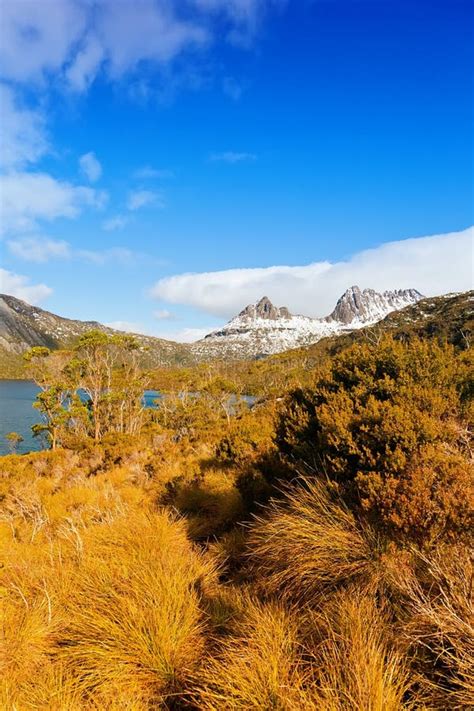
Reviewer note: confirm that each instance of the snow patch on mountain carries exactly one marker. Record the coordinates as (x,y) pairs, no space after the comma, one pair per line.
(262,328)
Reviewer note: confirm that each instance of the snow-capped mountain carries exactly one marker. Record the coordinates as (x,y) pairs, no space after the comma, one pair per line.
(263,328)
(369,306)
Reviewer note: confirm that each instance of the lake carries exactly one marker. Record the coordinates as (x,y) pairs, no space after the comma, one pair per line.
(17,413)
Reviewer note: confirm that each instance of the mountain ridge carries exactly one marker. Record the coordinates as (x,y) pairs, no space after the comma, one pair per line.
(258,330)
(262,328)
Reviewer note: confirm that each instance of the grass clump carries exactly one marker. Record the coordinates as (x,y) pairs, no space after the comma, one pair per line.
(310,543)
(136,625)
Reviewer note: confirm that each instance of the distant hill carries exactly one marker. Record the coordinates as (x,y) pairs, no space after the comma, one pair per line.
(23,326)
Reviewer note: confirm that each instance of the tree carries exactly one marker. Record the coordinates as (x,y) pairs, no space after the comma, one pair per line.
(14,440)
(50,371)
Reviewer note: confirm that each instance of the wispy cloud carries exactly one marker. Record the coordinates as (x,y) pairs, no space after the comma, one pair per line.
(163,315)
(119,255)
(31,197)
(90,166)
(433,265)
(141,198)
(79,41)
(147,172)
(19,286)
(23,136)
(117,222)
(185,335)
(40,249)
(232,157)
(232,88)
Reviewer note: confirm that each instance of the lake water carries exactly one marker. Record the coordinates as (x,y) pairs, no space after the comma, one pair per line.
(17,413)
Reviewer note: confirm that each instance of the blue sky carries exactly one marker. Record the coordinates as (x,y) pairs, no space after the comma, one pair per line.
(164,163)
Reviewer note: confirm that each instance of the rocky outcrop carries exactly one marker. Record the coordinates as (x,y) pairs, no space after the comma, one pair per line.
(369,305)
(265,309)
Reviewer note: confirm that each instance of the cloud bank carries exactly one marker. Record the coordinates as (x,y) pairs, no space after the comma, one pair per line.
(434,265)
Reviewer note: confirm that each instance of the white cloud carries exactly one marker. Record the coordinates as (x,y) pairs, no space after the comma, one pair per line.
(29,197)
(148,172)
(19,286)
(433,265)
(37,37)
(39,249)
(185,335)
(142,198)
(77,39)
(82,72)
(163,315)
(232,157)
(90,166)
(22,137)
(117,222)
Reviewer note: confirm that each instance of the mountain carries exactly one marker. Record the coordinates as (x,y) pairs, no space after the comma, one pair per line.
(368,306)
(23,326)
(262,328)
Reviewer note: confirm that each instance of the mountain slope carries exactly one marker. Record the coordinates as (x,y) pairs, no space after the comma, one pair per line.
(262,328)
(23,326)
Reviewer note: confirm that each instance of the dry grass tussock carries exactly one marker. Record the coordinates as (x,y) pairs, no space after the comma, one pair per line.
(356,663)
(125,625)
(439,626)
(341,658)
(311,543)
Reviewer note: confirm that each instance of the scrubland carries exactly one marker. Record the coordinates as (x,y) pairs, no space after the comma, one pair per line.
(313,551)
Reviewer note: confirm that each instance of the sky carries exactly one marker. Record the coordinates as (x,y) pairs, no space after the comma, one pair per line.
(165,163)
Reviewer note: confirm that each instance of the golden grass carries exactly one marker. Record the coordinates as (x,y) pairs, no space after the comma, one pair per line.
(106,605)
(309,544)
(260,667)
(135,623)
(112,618)
(439,626)
(356,665)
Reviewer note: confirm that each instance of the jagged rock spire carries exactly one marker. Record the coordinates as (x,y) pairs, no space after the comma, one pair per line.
(369,305)
(265,309)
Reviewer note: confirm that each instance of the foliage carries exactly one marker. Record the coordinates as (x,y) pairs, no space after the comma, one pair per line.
(388,425)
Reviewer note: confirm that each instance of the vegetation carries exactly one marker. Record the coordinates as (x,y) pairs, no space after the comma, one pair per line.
(311,550)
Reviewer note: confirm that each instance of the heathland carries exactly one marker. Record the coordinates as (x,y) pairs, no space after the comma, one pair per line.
(310,548)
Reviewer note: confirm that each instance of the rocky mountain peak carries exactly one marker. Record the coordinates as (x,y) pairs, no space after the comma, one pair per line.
(369,305)
(264,309)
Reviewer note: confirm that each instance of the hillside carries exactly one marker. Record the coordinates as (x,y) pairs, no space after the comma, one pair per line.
(448,318)
(23,326)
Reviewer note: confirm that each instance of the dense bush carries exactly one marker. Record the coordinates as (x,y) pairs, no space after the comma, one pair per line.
(388,425)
